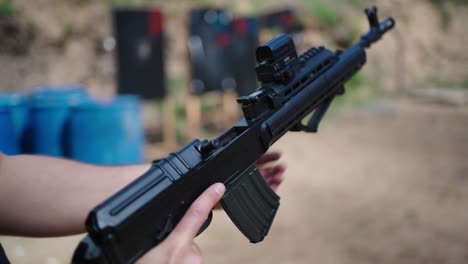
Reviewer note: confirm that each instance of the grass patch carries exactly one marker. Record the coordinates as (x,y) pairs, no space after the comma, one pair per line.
(356,98)
(356,81)
(445,15)
(359,92)
(129,3)
(7,9)
(439,82)
(324,12)
(175,85)
(175,89)
(464,84)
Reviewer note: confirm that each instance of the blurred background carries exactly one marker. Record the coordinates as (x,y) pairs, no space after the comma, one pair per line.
(384,181)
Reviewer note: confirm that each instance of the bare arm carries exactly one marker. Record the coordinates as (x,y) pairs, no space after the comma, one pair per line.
(45,196)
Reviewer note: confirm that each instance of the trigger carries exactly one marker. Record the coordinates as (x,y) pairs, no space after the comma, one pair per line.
(206,224)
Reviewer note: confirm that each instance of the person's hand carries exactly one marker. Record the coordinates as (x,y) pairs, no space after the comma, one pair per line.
(273,174)
(178,247)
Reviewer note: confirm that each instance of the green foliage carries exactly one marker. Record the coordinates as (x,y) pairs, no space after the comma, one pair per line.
(356,81)
(356,98)
(67,34)
(439,82)
(257,4)
(346,38)
(208,105)
(444,13)
(441,6)
(438,2)
(31,31)
(158,106)
(354,32)
(129,3)
(323,11)
(82,2)
(270,33)
(176,86)
(464,84)
(202,2)
(359,91)
(7,9)
(357,3)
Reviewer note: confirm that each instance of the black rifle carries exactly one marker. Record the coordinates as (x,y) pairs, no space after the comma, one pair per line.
(142,214)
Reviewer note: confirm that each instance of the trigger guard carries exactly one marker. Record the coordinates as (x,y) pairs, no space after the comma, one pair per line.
(206,224)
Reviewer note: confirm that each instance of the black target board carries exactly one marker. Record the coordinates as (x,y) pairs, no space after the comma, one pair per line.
(139,57)
(209,43)
(222,51)
(284,20)
(242,54)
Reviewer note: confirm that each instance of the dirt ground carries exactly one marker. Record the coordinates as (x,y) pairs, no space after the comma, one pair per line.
(386,184)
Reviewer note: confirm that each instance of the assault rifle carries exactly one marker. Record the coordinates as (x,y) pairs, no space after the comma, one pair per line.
(142,214)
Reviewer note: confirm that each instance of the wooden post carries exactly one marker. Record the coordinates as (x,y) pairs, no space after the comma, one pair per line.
(193,109)
(169,130)
(230,108)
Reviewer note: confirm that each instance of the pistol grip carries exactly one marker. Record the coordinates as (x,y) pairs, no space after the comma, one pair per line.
(88,253)
(251,204)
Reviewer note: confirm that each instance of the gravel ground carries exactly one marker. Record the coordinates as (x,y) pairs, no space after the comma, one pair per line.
(379,185)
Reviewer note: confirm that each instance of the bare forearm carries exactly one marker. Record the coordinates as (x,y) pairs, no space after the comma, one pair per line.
(44,196)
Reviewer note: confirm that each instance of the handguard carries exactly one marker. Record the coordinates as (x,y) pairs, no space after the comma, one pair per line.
(251,204)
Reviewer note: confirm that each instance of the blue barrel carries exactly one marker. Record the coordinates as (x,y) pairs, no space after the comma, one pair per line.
(8,141)
(50,110)
(73,94)
(108,133)
(19,113)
